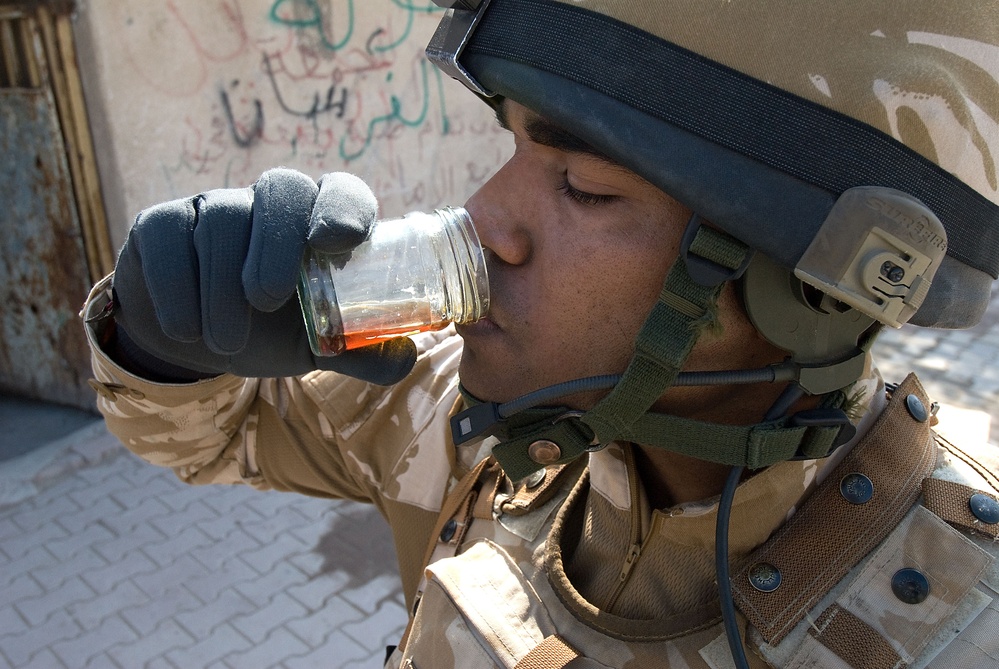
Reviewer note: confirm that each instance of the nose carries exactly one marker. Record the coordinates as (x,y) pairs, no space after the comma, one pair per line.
(498,211)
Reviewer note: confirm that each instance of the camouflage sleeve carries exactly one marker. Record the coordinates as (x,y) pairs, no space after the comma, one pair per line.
(322,434)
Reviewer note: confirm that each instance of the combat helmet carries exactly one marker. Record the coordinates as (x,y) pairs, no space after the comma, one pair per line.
(849,147)
(761,115)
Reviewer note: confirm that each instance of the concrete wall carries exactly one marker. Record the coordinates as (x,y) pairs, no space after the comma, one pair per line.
(188,95)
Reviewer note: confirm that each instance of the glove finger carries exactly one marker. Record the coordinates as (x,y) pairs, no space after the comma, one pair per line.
(282,208)
(384,363)
(160,253)
(222,238)
(343,213)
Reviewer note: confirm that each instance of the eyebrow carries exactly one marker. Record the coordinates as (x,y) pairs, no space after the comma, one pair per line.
(542,131)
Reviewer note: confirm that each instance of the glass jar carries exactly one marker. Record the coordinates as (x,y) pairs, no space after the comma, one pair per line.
(412,274)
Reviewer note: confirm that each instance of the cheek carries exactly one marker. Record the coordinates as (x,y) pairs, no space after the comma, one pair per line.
(610,286)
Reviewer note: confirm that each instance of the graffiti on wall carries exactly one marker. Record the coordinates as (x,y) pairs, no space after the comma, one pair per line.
(318,85)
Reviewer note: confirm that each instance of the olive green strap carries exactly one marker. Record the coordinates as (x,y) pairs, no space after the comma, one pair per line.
(685,308)
(752,446)
(570,435)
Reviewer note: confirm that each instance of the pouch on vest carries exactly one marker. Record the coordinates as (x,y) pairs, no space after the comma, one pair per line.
(478,611)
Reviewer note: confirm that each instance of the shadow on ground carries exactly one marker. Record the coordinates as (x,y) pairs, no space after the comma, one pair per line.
(26,425)
(358,537)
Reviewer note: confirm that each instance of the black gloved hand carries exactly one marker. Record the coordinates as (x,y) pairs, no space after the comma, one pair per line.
(209,283)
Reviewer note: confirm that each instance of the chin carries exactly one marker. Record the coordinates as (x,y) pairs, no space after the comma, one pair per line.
(487,383)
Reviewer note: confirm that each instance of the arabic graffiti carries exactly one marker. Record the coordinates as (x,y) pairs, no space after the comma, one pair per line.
(321,65)
(320,85)
(313,19)
(396,114)
(244,139)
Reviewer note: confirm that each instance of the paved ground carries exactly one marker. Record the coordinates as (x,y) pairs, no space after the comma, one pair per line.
(107,562)
(959,367)
(118,564)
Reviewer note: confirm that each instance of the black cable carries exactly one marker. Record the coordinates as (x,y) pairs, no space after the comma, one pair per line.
(544,395)
(768,374)
(782,405)
(722,571)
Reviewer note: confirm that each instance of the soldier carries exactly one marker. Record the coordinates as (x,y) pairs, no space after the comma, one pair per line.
(711,212)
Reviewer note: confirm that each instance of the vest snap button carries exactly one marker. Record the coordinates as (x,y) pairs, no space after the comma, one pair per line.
(544,452)
(856,488)
(916,408)
(984,508)
(534,480)
(910,586)
(765,577)
(450,527)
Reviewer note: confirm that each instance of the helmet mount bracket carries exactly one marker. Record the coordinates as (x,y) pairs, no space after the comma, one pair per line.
(872,261)
(452,36)
(877,251)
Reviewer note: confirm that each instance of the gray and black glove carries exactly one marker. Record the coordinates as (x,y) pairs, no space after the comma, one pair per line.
(208,284)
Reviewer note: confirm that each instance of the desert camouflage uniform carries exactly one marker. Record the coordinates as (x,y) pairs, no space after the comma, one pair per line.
(572,564)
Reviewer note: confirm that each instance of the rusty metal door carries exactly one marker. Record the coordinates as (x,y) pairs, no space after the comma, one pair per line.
(44,268)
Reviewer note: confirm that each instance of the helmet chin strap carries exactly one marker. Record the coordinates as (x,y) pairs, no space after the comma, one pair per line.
(535,437)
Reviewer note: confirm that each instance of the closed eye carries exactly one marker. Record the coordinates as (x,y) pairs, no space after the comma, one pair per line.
(582,197)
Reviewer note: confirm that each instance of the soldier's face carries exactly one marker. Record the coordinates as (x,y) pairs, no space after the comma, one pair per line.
(577,250)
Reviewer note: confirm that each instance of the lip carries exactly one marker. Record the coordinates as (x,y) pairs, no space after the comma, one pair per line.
(482,327)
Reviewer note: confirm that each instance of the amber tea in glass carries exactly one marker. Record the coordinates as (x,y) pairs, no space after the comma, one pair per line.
(412,274)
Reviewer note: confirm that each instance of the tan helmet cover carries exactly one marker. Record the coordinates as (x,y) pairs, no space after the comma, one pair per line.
(926,73)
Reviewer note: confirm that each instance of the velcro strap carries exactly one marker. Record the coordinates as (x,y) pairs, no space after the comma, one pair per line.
(684,309)
(552,653)
(752,446)
(682,305)
(952,502)
(719,248)
(571,437)
(853,640)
